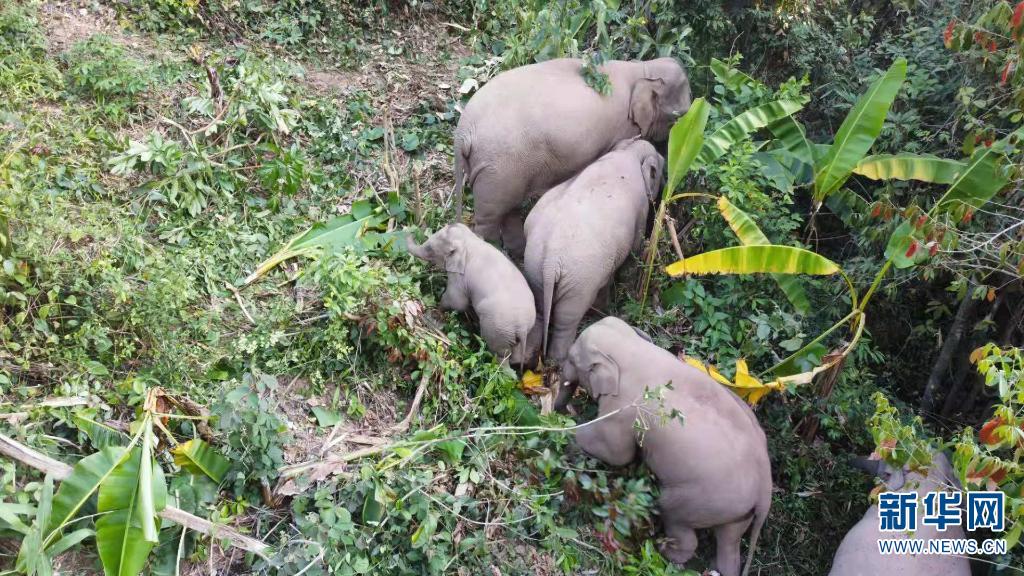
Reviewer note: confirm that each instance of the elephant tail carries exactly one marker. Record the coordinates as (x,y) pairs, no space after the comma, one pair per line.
(462,147)
(760,515)
(548,298)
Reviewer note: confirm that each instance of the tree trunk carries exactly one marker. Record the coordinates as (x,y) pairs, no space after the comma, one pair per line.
(940,371)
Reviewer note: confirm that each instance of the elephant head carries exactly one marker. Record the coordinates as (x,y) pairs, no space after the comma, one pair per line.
(589,365)
(659,97)
(939,476)
(446,248)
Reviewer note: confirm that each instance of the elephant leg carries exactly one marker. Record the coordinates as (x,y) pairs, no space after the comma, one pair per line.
(728,560)
(495,196)
(603,298)
(566,316)
(499,342)
(681,544)
(512,235)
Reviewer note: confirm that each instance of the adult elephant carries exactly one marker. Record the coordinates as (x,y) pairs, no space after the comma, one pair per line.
(532,127)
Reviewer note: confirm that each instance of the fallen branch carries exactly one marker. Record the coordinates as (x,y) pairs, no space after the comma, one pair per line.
(403,426)
(238,298)
(59,471)
(670,223)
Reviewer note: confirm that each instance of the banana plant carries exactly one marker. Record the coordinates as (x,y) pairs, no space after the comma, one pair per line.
(971,184)
(125,484)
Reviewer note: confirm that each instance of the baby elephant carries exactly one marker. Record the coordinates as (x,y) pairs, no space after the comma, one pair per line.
(858,554)
(713,470)
(581,231)
(482,278)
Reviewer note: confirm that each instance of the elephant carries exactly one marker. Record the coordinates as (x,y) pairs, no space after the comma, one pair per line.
(713,469)
(581,231)
(482,278)
(532,127)
(858,553)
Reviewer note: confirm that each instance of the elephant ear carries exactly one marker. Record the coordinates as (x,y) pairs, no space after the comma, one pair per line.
(603,376)
(643,104)
(651,169)
(456,259)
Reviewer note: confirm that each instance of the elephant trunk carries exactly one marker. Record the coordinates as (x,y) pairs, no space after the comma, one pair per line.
(415,249)
(873,467)
(563,395)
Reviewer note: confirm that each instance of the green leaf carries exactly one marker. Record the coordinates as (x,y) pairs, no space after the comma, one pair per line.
(858,132)
(198,457)
(980,180)
(100,435)
(69,541)
(684,143)
(373,506)
(335,235)
(9,513)
(128,502)
(772,259)
(86,477)
(96,369)
(325,417)
(899,245)
(790,134)
(910,167)
(750,235)
(743,124)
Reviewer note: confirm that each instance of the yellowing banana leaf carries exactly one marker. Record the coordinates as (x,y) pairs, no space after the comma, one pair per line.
(684,143)
(749,234)
(532,383)
(746,386)
(858,132)
(771,259)
(743,124)
(198,457)
(910,167)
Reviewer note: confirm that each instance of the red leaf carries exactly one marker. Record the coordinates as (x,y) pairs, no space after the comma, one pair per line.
(988,431)
(876,210)
(912,249)
(991,45)
(947,35)
(1007,70)
(920,221)
(933,249)
(968,216)
(1018,15)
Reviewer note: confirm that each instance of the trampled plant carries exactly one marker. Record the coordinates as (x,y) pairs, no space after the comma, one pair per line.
(124,482)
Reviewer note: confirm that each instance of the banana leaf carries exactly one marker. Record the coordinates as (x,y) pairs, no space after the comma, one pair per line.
(910,167)
(770,259)
(979,181)
(743,124)
(750,235)
(684,143)
(859,131)
(198,457)
(129,501)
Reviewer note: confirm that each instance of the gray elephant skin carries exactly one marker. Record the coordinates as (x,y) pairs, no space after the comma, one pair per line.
(858,553)
(532,127)
(483,279)
(713,471)
(581,231)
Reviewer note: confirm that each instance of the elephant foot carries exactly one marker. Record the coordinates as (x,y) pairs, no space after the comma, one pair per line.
(675,554)
(680,545)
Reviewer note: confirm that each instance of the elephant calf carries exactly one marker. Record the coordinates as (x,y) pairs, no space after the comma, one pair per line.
(535,126)
(581,231)
(482,278)
(858,553)
(713,470)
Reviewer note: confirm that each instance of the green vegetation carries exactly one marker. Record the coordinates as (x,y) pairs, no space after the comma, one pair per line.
(205,308)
